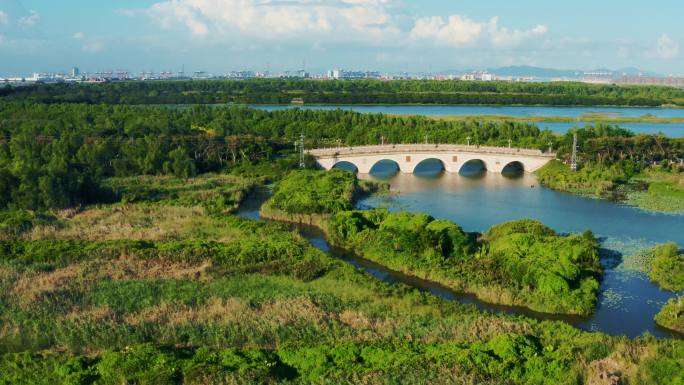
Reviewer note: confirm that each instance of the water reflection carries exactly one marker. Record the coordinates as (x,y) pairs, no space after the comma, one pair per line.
(628,300)
(480,201)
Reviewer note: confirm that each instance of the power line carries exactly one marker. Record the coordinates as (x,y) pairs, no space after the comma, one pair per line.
(301,152)
(573,163)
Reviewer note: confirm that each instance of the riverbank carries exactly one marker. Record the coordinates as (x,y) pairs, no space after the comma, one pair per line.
(653,189)
(597,118)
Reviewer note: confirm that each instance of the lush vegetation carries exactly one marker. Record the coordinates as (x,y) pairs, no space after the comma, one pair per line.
(311,197)
(667,271)
(520,263)
(658,188)
(667,267)
(643,170)
(283,91)
(157,290)
(671,316)
(54,156)
(314,192)
(158,283)
(216,193)
(162,289)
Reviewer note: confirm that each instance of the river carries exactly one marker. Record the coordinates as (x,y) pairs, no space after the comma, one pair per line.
(669,129)
(515,111)
(628,300)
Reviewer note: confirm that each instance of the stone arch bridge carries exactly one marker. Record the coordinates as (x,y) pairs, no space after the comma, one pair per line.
(452,157)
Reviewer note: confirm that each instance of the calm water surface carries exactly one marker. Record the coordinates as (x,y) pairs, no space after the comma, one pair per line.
(517,111)
(673,130)
(628,301)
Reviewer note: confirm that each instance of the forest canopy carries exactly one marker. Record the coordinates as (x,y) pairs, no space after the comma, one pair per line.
(283,91)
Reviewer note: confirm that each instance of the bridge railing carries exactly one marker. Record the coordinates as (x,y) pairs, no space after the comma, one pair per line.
(423,148)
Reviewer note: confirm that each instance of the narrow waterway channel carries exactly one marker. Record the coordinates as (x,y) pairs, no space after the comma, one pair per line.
(628,301)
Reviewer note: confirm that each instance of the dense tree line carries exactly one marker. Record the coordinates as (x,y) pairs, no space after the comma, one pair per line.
(281,91)
(320,127)
(609,144)
(55,155)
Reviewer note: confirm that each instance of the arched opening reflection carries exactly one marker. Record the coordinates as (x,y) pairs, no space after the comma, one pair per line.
(473,168)
(384,169)
(346,166)
(429,168)
(513,170)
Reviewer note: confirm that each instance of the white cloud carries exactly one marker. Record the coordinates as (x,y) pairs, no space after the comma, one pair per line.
(667,48)
(310,20)
(460,31)
(4,18)
(503,37)
(30,20)
(457,31)
(79,35)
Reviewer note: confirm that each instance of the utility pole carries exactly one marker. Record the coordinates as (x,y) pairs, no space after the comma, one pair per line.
(509,143)
(301,151)
(468,139)
(382,140)
(339,143)
(573,164)
(426,138)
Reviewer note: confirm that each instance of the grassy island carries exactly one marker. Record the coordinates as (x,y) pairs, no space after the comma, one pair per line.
(667,271)
(311,197)
(520,263)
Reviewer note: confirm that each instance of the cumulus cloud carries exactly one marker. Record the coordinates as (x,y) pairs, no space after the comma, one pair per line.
(503,37)
(277,19)
(667,48)
(30,20)
(4,18)
(457,31)
(460,31)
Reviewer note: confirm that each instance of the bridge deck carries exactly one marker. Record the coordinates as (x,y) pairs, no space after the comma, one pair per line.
(426,148)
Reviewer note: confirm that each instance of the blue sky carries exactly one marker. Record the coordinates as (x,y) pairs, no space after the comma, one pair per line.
(387,35)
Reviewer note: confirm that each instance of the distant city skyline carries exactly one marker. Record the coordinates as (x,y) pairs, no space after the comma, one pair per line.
(390,36)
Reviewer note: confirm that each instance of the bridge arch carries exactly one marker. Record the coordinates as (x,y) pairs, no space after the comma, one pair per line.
(347,166)
(385,168)
(472,167)
(429,167)
(513,168)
